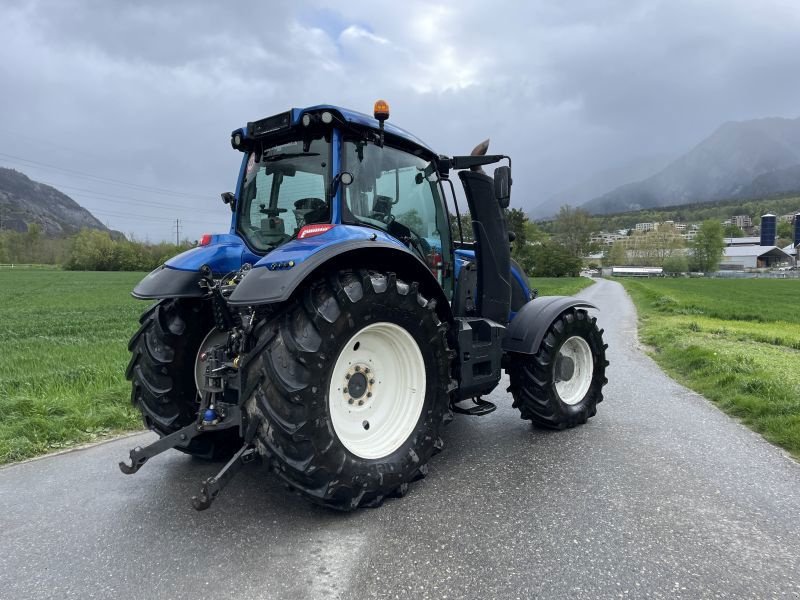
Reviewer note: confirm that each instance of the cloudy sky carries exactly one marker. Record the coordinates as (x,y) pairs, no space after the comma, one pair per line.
(128,106)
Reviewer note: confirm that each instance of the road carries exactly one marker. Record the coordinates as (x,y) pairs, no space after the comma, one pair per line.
(660,495)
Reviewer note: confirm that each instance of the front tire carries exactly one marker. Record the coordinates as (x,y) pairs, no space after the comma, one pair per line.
(560,386)
(351,389)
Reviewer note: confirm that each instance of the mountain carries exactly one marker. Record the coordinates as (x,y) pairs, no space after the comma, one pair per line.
(736,160)
(600,182)
(773,183)
(24,201)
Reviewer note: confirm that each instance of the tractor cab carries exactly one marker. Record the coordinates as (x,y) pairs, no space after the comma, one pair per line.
(309,170)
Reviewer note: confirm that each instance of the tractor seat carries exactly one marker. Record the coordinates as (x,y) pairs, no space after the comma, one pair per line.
(310,210)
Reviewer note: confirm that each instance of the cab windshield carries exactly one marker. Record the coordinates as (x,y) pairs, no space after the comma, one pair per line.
(285,188)
(398,192)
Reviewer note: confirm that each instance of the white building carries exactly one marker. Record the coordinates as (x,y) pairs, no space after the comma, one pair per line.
(742,221)
(753,257)
(645,226)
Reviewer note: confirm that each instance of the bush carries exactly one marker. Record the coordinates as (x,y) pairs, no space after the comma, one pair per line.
(676,264)
(551,259)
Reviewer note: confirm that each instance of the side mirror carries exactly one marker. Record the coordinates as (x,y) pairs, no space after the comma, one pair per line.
(502,186)
(230,199)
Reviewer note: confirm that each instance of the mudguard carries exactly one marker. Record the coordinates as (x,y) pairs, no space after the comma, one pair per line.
(180,275)
(166,282)
(526,332)
(277,276)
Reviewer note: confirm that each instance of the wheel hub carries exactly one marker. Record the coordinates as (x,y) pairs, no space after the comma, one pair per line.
(565,368)
(358,384)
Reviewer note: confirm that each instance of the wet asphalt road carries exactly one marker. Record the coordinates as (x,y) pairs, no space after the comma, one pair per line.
(660,495)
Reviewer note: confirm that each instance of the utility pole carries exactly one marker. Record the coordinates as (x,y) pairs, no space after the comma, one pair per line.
(177,232)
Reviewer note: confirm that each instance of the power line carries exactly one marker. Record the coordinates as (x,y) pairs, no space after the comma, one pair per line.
(136,186)
(104,195)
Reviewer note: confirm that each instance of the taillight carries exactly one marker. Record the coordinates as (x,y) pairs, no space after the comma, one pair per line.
(206,239)
(308,231)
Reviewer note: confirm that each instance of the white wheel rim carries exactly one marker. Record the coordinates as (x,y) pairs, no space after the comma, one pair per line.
(374,419)
(215,337)
(572,389)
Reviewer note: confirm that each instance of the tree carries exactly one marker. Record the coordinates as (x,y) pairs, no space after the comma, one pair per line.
(733,231)
(676,264)
(708,246)
(551,259)
(666,242)
(573,228)
(616,255)
(785,233)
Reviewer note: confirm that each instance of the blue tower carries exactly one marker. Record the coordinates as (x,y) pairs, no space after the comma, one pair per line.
(769,227)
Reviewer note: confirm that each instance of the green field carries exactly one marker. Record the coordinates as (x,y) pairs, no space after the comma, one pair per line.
(64,339)
(737,342)
(560,286)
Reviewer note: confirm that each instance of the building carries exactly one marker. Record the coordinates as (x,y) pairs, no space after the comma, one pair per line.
(739,258)
(636,271)
(645,226)
(604,238)
(742,241)
(742,221)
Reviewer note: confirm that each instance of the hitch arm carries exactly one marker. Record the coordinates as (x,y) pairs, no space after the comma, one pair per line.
(214,485)
(178,439)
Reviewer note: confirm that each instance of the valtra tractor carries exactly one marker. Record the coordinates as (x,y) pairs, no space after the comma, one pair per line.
(338,325)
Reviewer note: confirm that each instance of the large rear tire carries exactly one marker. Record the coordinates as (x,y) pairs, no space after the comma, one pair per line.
(560,386)
(162,373)
(351,389)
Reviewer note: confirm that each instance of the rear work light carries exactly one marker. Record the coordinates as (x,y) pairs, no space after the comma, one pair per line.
(206,239)
(311,230)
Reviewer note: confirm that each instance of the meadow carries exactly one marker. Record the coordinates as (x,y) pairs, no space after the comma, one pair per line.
(64,337)
(737,342)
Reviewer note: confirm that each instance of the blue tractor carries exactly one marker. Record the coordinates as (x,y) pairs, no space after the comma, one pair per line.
(343,319)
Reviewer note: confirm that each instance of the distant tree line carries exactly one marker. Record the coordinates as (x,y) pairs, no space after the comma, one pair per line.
(698,212)
(555,253)
(89,250)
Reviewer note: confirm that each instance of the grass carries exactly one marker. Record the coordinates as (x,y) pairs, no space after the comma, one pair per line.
(737,342)
(560,286)
(64,351)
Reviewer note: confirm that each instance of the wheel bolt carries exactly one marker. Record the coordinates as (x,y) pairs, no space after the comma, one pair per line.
(358,368)
(350,401)
(369,394)
(366,369)
(347,376)
(361,403)
(371,381)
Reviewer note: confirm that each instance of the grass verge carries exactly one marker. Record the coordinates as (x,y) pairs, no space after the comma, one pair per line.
(64,338)
(737,342)
(560,286)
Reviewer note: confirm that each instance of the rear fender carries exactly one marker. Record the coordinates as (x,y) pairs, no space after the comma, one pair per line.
(276,278)
(526,332)
(180,276)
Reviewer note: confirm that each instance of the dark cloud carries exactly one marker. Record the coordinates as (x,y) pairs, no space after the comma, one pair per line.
(148,92)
